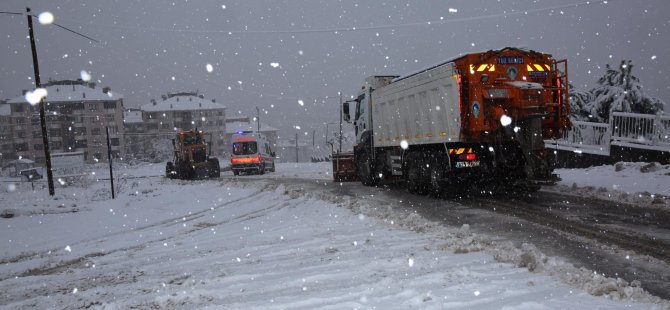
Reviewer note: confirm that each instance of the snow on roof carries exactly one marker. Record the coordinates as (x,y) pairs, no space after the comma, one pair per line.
(182,102)
(234,127)
(132,116)
(77,91)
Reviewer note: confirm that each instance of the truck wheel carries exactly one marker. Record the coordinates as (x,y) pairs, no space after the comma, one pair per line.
(169,170)
(235,172)
(416,176)
(365,170)
(214,168)
(182,172)
(261,169)
(436,176)
(273,167)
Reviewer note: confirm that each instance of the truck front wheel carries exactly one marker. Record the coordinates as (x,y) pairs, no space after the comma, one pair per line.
(365,169)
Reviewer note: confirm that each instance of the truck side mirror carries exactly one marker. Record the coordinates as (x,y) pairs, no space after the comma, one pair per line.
(345,112)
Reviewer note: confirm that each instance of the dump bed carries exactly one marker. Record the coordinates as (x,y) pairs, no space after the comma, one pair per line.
(420,109)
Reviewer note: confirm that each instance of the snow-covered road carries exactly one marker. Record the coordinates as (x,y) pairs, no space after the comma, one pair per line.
(240,245)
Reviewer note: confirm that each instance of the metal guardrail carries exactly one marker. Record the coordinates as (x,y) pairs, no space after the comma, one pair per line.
(641,130)
(633,130)
(584,137)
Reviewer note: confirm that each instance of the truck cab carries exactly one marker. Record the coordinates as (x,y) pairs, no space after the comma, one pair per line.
(252,153)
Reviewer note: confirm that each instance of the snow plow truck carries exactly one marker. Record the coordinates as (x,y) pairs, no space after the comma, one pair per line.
(191,159)
(480,117)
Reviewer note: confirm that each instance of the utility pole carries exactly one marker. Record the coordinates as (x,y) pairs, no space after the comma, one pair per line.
(109,157)
(340,150)
(258,119)
(43,123)
(296,147)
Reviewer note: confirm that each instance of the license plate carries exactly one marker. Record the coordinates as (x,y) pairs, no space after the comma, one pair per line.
(467,164)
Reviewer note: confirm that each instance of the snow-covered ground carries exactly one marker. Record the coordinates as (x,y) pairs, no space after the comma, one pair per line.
(245,245)
(639,183)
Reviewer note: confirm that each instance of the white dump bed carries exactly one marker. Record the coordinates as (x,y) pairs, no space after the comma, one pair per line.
(423,108)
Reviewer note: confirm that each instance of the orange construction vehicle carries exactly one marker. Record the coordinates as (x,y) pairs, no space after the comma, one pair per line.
(476,118)
(191,159)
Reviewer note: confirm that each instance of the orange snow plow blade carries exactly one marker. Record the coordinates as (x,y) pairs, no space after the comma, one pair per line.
(344,169)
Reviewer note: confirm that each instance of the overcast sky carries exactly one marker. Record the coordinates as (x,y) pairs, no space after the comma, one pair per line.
(285,57)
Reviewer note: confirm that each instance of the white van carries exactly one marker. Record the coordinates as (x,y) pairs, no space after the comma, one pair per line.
(252,153)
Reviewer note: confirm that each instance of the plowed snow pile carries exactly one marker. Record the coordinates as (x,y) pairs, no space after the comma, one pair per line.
(232,245)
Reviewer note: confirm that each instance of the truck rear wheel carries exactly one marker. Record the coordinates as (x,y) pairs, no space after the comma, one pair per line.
(436,176)
(169,170)
(416,176)
(214,168)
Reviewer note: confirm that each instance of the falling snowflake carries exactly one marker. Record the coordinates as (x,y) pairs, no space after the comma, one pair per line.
(85,76)
(410,262)
(505,120)
(46,18)
(452,10)
(274,64)
(67,248)
(209,68)
(36,96)
(301,103)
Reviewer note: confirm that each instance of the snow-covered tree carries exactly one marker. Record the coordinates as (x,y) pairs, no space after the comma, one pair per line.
(578,101)
(620,91)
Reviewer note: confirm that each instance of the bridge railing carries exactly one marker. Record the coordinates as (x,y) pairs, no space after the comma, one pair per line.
(641,130)
(584,137)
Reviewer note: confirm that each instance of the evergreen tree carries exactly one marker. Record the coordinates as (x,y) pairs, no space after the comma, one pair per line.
(578,101)
(620,91)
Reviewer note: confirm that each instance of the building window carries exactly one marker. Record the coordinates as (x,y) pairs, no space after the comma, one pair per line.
(38,147)
(78,106)
(109,105)
(79,131)
(95,131)
(81,144)
(17,108)
(21,147)
(115,141)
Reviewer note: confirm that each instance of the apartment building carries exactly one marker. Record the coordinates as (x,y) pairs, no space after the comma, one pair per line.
(179,111)
(77,116)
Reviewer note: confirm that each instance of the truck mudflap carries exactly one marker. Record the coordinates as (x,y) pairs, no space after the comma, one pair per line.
(344,167)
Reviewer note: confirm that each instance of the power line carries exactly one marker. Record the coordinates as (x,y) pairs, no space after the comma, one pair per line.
(355,29)
(55,24)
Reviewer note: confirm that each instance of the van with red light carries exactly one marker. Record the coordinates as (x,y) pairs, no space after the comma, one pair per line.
(252,153)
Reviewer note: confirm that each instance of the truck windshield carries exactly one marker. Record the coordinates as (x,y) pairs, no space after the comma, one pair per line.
(245,148)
